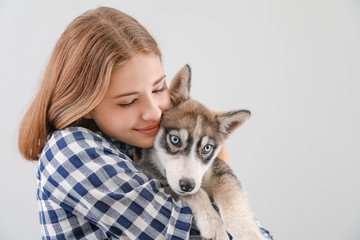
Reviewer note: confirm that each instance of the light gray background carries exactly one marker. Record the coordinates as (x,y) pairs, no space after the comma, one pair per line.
(294,64)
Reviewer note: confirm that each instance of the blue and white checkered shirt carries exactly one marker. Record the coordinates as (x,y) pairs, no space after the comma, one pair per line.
(88,188)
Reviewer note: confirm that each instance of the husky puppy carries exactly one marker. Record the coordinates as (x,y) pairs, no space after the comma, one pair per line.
(184,158)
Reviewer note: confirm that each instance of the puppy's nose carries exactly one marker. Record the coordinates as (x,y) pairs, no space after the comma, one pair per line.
(186,184)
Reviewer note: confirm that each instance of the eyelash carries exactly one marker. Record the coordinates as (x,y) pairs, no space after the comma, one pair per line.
(132,102)
(127,104)
(160,90)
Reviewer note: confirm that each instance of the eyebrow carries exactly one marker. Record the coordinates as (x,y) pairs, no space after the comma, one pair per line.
(136,92)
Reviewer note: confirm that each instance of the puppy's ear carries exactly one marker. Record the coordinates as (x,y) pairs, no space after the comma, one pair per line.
(180,86)
(229,121)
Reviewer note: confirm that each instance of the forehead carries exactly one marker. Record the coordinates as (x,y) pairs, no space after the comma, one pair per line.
(190,115)
(138,72)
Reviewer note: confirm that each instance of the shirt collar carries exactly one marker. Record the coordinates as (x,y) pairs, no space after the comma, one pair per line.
(125,148)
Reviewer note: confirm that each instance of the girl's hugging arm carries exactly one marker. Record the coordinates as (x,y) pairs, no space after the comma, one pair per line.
(86,186)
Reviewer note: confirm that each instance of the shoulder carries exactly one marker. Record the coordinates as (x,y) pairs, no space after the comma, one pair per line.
(76,152)
(78,142)
(75,134)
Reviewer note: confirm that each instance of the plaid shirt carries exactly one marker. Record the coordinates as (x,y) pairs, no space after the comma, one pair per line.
(88,188)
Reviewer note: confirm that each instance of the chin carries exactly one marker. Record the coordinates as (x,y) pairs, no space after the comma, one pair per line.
(146,144)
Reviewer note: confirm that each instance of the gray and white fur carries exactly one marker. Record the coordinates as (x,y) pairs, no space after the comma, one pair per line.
(184,156)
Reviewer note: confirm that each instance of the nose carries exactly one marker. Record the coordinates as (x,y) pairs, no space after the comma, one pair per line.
(187,184)
(151,110)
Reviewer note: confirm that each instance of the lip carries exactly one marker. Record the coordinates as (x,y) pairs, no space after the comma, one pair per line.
(151,129)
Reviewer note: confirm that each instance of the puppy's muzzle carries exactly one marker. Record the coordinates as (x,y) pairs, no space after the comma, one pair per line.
(187,184)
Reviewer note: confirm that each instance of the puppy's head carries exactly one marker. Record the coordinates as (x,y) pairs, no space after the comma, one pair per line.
(191,136)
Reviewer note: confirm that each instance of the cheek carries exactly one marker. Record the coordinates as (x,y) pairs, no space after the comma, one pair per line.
(124,119)
(115,120)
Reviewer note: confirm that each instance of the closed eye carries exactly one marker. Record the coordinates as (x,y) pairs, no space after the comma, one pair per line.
(124,105)
(163,88)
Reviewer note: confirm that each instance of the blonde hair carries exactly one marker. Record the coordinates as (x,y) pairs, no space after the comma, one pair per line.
(78,73)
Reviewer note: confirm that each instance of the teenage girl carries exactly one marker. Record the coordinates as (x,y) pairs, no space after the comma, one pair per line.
(102,95)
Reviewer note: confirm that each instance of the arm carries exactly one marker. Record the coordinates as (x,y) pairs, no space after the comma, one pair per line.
(90,179)
(224,154)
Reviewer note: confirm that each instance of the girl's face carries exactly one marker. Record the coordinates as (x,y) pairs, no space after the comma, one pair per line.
(132,107)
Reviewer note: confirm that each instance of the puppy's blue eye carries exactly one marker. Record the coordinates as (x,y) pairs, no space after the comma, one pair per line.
(175,140)
(207,149)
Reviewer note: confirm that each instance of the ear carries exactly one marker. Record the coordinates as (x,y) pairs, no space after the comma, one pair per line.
(180,86)
(229,121)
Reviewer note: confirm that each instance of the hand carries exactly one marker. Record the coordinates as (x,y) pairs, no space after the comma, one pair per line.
(224,154)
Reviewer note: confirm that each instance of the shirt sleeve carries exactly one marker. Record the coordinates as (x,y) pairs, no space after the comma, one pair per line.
(89,177)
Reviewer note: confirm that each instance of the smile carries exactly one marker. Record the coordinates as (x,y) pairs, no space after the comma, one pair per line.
(151,129)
